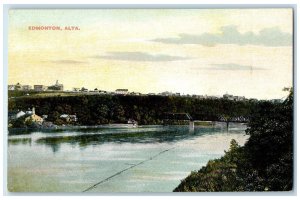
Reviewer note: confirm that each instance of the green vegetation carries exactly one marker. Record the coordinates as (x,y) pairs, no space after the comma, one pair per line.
(264,163)
(103,109)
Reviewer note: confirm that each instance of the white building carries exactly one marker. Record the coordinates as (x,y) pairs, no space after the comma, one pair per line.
(121,91)
(11,87)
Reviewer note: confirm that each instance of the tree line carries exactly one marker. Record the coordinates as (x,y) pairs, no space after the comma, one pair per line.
(103,109)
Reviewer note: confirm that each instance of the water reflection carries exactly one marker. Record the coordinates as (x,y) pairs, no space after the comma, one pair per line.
(17,141)
(94,137)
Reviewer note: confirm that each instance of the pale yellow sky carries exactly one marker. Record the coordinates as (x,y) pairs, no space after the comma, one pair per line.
(244,52)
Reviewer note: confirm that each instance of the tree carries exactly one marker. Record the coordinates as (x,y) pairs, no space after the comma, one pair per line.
(19,123)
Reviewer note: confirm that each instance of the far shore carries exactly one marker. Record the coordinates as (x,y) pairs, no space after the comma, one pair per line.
(110,126)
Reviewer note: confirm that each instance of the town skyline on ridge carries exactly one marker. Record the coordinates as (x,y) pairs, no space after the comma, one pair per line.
(188,51)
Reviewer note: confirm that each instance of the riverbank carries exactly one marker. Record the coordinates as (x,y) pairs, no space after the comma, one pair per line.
(57,128)
(71,127)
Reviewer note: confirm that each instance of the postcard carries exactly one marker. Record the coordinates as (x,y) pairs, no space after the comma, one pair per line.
(150,100)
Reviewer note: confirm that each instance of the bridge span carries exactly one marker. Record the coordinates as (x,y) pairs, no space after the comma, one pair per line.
(172,116)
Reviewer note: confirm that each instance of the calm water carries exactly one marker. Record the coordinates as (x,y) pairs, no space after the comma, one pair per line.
(144,159)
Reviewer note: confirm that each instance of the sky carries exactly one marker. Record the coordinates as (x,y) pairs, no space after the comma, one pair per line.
(245,52)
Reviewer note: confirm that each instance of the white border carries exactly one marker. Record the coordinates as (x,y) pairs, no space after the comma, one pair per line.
(130,3)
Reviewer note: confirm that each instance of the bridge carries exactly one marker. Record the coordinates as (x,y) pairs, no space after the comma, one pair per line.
(170,118)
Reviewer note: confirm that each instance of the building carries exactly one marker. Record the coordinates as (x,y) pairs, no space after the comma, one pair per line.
(56,87)
(102,92)
(11,87)
(228,97)
(234,98)
(135,93)
(69,118)
(83,89)
(276,100)
(20,114)
(26,87)
(40,88)
(241,98)
(151,94)
(34,117)
(121,91)
(20,87)
(15,114)
(166,93)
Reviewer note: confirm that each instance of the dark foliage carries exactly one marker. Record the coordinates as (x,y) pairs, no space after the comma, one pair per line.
(102,109)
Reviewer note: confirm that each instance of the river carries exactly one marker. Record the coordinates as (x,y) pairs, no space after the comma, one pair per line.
(143,159)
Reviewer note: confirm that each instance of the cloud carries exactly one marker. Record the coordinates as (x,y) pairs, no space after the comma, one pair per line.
(73,62)
(140,57)
(230,35)
(231,67)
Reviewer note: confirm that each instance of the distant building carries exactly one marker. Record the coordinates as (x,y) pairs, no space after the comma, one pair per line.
(56,87)
(20,87)
(83,89)
(121,91)
(20,114)
(276,100)
(212,97)
(228,97)
(29,112)
(11,87)
(15,114)
(135,93)
(253,100)
(151,94)
(40,88)
(26,87)
(166,93)
(102,92)
(69,118)
(241,98)
(234,98)
(34,117)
